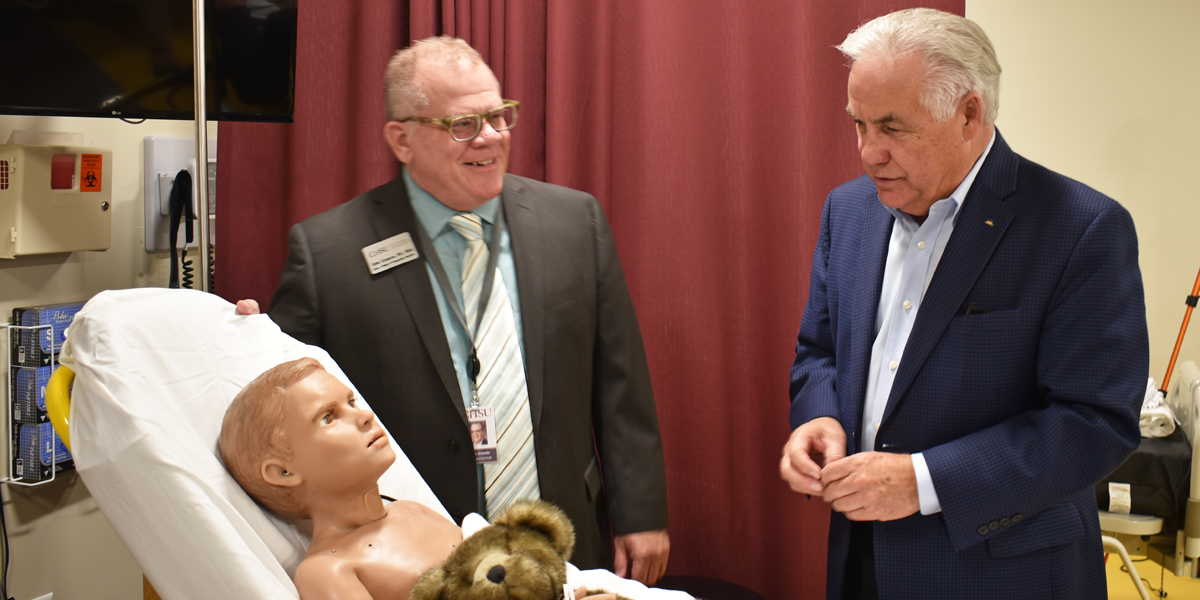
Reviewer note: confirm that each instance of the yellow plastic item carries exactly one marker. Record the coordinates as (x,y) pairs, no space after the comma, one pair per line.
(58,402)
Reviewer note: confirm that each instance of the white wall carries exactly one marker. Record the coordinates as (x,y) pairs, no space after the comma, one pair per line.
(60,540)
(1105,91)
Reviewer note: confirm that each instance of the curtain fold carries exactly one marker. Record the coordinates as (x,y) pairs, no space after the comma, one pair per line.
(272,175)
(710,132)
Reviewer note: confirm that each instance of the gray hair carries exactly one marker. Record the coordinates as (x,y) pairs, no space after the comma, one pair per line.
(403,95)
(958,56)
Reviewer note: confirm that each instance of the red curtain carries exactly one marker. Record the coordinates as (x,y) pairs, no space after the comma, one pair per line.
(711,133)
(275,175)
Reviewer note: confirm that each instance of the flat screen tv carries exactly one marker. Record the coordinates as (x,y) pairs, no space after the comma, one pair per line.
(132,59)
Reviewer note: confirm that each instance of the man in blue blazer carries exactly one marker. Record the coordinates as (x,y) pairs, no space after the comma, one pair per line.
(974,348)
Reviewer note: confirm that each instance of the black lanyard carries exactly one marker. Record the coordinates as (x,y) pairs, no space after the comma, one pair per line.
(439,272)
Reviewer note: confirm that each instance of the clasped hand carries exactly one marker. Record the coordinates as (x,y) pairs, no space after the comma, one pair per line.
(867,486)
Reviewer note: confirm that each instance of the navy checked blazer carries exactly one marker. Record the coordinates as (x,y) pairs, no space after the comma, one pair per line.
(1019,407)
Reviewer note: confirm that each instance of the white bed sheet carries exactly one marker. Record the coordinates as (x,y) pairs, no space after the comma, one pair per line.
(155,371)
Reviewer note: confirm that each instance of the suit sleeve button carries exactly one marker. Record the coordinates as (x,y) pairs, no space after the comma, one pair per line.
(1017,518)
(994,525)
(1005,522)
(452,447)
(983,530)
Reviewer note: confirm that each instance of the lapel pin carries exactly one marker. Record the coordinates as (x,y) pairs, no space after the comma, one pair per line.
(989,223)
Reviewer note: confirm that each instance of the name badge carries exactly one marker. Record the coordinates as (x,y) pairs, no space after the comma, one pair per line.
(482,421)
(389,253)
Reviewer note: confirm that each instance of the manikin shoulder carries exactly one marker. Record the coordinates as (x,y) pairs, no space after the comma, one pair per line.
(330,576)
(381,559)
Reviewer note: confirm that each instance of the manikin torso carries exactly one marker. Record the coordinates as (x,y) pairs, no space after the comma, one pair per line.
(386,556)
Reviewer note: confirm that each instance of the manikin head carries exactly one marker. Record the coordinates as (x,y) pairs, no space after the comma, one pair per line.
(296,431)
(439,78)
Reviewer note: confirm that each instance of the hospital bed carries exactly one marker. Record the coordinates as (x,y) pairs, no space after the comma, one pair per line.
(1164,522)
(154,370)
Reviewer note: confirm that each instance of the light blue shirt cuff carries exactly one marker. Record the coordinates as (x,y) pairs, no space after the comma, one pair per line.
(925,492)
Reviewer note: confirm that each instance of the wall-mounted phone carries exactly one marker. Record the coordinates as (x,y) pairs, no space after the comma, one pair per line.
(164,157)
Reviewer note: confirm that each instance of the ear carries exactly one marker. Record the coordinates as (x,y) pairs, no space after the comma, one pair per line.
(431,585)
(545,519)
(275,472)
(399,140)
(972,114)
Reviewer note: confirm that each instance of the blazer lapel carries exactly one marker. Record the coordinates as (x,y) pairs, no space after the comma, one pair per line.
(396,216)
(521,220)
(978,229)
(876,224)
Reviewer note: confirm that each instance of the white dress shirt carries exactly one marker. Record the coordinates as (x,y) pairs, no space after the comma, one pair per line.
(913,255)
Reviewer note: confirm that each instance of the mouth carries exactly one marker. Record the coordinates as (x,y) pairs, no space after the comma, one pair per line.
(377,438)
(482,163)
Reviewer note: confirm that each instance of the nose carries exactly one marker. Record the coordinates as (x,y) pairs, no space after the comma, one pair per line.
(365,418)
(486,134)
(872,149)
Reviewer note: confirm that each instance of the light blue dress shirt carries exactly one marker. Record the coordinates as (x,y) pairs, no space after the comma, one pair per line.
(914,252)
(435,218)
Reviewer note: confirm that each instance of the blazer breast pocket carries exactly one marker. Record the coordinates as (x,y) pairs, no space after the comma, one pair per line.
(564,296)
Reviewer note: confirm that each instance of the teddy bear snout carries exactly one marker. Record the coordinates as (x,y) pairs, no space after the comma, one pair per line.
(496,574)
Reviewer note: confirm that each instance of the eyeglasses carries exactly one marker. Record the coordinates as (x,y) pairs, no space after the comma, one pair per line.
(464,128)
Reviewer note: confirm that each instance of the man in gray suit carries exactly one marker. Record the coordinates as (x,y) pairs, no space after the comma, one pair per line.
(378,283)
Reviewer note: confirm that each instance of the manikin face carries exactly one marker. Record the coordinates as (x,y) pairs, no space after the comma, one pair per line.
(333,440)
(461,175)
(913,159)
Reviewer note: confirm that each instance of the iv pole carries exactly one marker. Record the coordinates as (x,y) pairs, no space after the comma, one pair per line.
(199,73)
(1187,315)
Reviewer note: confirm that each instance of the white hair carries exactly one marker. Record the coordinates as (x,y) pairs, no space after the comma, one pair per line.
(957,54)
(403,95)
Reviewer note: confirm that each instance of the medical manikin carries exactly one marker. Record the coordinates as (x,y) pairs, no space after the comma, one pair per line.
(300,444)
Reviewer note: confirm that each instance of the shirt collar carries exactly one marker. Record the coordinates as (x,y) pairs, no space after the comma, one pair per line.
(434,215)
(959,195)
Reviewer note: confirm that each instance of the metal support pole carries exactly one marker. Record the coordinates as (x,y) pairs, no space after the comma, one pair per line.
(199,72)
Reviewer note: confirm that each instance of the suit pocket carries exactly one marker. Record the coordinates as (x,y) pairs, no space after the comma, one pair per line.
(592,480)
(564,296)
(1060,524)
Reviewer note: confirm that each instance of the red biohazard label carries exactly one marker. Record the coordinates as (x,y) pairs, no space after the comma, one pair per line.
(90,172)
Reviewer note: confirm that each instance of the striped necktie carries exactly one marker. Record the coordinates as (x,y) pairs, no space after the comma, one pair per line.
(501,375)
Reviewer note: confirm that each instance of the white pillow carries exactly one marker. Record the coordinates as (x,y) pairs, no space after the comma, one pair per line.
(155,371)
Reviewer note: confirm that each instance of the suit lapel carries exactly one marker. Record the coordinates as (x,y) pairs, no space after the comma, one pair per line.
(521,219)
(396,216)
(979,227)
(876,224)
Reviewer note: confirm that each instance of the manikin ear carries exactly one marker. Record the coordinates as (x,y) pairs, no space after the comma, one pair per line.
(972,115)
(275,472)
(399,140)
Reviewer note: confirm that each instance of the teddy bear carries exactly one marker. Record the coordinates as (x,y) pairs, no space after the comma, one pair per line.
(522,555)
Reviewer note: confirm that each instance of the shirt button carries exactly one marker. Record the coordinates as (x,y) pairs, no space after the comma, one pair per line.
(907,305)
(877,425)
(920,245)
(892,365)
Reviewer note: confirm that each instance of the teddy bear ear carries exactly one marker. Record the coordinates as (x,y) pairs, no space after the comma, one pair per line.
(430,586)
(544,518)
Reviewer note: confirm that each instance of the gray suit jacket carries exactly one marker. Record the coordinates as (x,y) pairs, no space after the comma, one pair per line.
(589,384)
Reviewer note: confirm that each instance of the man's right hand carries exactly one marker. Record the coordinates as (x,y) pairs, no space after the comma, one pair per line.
(812,446)
(247,307)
